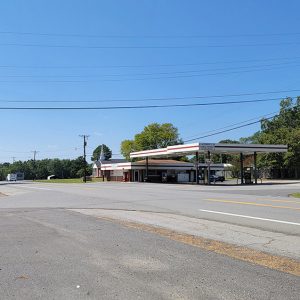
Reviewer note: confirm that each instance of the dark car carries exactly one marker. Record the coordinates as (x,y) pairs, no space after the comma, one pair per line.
(216,178)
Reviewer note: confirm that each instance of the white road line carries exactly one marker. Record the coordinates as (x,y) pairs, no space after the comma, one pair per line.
(249,217)
(36,188)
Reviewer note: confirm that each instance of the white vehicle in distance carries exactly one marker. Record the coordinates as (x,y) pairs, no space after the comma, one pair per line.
(11,177)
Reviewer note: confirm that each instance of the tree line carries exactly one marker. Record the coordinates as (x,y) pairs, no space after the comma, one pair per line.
(41,169)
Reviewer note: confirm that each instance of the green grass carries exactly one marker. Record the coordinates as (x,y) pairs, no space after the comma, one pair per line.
(296,195)
(68,180)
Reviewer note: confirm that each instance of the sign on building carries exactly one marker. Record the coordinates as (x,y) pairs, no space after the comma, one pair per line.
(207,146)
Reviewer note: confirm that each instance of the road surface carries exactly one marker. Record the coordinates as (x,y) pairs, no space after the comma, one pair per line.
(50,251)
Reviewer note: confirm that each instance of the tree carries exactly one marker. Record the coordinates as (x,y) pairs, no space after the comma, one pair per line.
(253,139)
(228,141)
(284,128)
(77,167)
(127,146)
(97,152)
(153,136)
(54,167)
(225,158)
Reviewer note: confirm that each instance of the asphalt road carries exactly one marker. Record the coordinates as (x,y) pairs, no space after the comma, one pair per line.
(49,252)
(58,254)
(212,203)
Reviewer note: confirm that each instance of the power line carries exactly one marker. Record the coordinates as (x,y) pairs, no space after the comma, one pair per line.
(46,151)
(237,127)
(148,36)
(154,65)
(234,128)
(141,106)
(146,47)
(143,79)
(234,124)
(159,98)
(147,74)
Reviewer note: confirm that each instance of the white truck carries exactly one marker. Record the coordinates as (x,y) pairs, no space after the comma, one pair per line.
(11,177)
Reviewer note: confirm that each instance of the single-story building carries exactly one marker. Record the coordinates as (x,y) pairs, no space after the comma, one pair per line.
(159,170)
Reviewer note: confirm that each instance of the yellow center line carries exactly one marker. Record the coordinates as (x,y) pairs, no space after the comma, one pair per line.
(278,200)
(253,203)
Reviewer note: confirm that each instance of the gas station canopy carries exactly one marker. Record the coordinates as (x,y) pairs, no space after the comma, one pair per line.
(190,149)
(210,148)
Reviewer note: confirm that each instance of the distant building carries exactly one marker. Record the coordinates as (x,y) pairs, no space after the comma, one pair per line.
(99,166)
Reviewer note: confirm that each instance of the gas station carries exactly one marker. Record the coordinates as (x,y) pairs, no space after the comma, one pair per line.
(247,174)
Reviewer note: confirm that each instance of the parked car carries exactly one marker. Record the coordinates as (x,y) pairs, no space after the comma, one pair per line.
(216,178)
(213,178)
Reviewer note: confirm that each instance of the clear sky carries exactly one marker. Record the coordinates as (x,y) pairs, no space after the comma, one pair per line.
(137,49)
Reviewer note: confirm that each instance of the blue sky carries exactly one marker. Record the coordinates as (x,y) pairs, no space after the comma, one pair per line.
(234,38)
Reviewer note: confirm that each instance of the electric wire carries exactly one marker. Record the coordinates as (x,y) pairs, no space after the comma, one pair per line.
(227,130)
(234,128)
(145,78)
(147,74)
(154,99)
(139,107)
(149,36)
(140,47)
(147,66)
(231,125)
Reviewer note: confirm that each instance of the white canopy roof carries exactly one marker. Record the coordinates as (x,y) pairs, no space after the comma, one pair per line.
(189,149)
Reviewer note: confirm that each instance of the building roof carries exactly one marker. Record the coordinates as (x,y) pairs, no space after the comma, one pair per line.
(97,163)
(161,162)
(110,161)
(113,161)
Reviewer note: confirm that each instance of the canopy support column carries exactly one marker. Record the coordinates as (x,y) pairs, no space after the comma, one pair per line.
(208,167)
(242,167)
(197,166)
(255,167)
(147,167)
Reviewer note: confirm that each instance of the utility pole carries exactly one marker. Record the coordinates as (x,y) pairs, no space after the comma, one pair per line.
(34,167)
(85,137)
(34,154)
(13,158)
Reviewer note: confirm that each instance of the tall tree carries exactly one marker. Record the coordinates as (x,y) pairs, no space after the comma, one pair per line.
(97,152)
(127,146)
(284,128)
(153,136)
